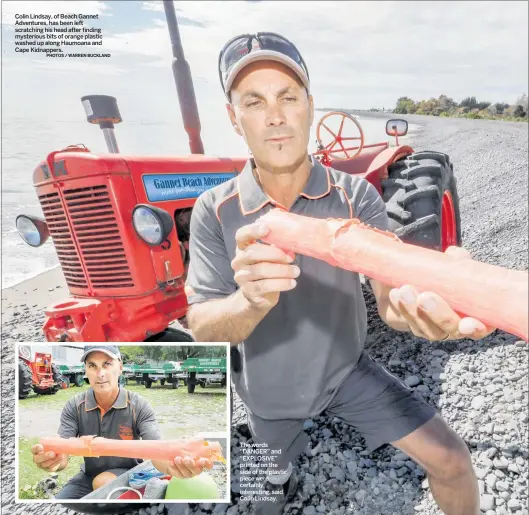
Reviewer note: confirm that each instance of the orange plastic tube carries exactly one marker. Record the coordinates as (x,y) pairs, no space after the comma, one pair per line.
(166,450)
(494,295)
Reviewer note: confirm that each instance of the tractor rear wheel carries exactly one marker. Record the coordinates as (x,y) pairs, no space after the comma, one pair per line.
(422,201)
(25,379)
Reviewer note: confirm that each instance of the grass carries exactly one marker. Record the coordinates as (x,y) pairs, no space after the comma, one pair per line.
(29,475)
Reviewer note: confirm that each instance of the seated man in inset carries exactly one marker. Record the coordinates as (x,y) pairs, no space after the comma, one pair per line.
(110,411)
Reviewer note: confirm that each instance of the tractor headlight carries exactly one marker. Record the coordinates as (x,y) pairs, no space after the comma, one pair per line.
(33,230)
(152,224)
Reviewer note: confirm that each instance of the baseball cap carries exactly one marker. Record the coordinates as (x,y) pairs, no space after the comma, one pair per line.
(245,49)
(109,350)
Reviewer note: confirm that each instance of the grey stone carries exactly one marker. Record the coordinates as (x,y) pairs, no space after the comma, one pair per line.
(400,456)
(326,433)
(491,480)
(412,381)
(309,510)
(309,424)
(514,504)
(175,509)
(501,463)
(513,468)
(502,486)
(481,473)
(486,502)
(478,402)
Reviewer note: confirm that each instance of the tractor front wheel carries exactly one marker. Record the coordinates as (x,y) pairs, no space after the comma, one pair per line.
(171,335)
(25,379)
(45,391)
(422,201)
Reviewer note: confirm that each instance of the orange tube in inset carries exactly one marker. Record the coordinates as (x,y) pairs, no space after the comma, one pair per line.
(492,294)
(166,450)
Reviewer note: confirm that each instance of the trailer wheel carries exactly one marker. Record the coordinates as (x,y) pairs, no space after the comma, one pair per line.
(174,384)
(162,382)
(148,383)
(79,380)
(422,201)
(171,335)
(190,387)
(25,379)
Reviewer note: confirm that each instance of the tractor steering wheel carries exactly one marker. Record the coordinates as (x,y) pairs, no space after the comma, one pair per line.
(329,150)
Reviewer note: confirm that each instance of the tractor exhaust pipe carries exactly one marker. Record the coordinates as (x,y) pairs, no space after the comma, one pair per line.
(184,83)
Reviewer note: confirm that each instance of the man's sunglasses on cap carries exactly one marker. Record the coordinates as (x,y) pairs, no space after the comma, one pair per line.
(243,45)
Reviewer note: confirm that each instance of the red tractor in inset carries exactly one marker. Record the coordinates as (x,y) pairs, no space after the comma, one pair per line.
(39,374)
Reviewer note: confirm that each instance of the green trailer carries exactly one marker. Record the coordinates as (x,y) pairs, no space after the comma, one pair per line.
(163,371)
(74,373)
(205,372)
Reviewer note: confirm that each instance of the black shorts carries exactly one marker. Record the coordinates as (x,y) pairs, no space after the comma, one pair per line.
(81,485)
(372,400)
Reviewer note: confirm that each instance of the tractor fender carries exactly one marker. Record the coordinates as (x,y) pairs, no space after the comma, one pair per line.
(378,169)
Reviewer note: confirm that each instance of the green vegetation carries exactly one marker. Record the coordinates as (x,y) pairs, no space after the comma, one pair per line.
(30,475)
(142,354)
(468,108)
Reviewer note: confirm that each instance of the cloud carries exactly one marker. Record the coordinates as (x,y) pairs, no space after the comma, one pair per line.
(359,54)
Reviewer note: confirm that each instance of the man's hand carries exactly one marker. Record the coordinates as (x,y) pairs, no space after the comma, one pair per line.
(49,461)
(262,271)
(428,316)
(187,467)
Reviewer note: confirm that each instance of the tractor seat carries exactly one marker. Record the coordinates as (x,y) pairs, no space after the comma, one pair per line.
(359,164)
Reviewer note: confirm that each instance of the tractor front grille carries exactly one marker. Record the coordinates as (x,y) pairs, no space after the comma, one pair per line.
(60,232)
(97,234)
(92,253)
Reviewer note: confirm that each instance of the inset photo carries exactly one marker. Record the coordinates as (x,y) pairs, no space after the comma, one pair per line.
(122,423)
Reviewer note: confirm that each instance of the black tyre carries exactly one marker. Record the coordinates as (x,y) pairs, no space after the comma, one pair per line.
(25,379)
(79,380)
(190,387)
(162,382)
(148,383)
(171,335)
(174,384)
(422,201)
(45,391)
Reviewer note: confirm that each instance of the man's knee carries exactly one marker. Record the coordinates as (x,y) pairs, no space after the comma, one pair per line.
(103,479)
(453,459)
(438,449)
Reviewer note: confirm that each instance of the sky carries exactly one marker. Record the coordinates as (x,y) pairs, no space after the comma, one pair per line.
(359,54)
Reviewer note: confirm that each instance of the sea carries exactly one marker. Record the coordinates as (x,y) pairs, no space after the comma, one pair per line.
(27,141)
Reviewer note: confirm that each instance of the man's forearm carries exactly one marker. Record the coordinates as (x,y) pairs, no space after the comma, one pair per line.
(162,466)
(232,319)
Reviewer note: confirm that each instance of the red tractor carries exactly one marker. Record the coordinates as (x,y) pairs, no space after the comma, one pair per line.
(120,223)
(39,374)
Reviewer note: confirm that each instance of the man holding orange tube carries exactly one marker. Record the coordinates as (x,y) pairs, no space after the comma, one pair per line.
(278,309)
(108,410)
